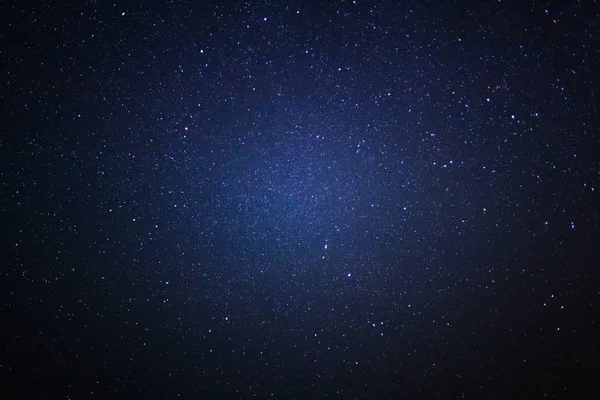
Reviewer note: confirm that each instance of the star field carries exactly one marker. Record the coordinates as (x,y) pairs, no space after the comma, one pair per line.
(353,200)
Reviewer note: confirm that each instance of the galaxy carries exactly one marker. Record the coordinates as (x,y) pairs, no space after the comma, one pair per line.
(300,200)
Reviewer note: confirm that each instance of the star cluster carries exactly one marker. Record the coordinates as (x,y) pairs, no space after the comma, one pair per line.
(299,200)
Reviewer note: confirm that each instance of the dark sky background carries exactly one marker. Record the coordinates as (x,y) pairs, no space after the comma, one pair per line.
(353,200)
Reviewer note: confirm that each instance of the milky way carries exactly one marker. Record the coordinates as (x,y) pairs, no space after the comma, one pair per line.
(280,200)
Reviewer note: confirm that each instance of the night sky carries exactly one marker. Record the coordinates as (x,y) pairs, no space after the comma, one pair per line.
(352,200)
